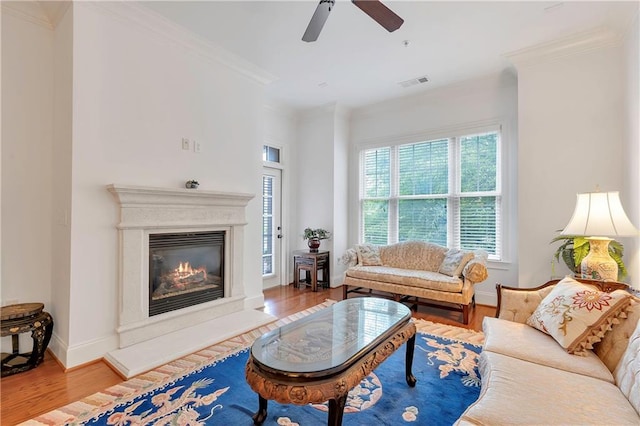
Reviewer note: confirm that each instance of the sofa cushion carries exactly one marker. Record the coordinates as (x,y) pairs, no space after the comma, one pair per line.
(408,277)
(368,255)
(519,392)
(454,262)
(528,344)
(416,255)
(577,315)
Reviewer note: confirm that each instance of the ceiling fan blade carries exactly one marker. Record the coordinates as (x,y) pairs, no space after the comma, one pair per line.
(380,13)
(317,20)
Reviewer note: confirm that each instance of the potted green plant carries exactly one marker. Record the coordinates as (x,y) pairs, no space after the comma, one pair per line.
(575,248)
(314,236)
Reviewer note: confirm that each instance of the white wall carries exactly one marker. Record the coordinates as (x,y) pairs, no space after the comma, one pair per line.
(322,185)
(27,93)
(340,238)
(631,148)
(27,118)
(489,99)
(570,112)
(315,158)
(60,248)
(125,95)
(280,132)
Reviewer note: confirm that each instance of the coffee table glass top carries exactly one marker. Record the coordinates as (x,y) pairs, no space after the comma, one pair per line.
(330,339)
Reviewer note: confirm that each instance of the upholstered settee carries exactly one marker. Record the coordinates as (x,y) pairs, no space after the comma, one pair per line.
(530,377)
(416,272)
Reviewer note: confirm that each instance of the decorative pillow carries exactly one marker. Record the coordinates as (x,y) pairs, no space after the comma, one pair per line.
(368,255)
(349,258)
(577,315)
(454,262)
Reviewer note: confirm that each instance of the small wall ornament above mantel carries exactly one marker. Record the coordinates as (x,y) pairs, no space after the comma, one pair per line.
(192,184)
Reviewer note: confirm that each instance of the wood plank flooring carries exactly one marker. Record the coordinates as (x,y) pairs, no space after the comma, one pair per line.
(29,394)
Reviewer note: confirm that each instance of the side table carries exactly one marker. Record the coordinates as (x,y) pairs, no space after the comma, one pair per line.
(311,263)
(24,318)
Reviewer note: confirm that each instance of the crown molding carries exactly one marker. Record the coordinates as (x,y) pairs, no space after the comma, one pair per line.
(334,108)
(504,79)
(28,11)
(279,108)
(575,44)
(168,31)
(55,10)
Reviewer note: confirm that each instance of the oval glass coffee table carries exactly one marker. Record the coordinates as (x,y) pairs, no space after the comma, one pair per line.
(322,356)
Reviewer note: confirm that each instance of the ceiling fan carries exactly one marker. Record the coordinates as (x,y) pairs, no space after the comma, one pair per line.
(374,8)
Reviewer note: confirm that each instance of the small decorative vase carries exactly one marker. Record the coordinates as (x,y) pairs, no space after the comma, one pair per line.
(191,184)
(313,244)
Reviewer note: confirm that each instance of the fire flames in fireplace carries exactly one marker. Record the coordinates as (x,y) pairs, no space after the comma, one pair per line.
(184,278)
(185,274)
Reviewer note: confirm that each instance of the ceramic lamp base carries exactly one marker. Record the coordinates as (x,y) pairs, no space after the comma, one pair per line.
(599,264)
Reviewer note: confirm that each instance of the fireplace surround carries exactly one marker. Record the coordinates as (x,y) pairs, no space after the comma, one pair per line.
(147,212)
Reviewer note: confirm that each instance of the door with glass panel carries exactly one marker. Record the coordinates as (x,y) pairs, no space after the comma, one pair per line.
(271,228)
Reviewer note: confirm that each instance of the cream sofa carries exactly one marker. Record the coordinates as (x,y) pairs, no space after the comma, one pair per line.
(529,379)
(416,272)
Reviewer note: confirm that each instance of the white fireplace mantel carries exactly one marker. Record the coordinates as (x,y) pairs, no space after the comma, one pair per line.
(147,210)
(148,207)
(147,342)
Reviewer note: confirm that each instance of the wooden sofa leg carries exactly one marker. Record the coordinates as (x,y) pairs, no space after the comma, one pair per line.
(465,314)
(344,291)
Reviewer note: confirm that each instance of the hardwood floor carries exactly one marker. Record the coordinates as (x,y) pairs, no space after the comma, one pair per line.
(29,394)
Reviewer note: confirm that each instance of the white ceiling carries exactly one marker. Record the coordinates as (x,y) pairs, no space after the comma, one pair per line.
(356,62)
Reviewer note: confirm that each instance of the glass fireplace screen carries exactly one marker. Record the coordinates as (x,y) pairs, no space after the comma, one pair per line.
(185,269)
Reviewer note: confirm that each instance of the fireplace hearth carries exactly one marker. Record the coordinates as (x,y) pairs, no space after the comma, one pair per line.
(185,269)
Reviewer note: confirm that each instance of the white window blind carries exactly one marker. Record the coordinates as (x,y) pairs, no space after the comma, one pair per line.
(376,173)
(446,191)
(267,225)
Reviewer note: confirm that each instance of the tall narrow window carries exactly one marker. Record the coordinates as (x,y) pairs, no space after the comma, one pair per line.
(446,191)
(375,203)
(267,225)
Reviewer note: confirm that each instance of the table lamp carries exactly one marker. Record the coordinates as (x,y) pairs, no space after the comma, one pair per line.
(598,216)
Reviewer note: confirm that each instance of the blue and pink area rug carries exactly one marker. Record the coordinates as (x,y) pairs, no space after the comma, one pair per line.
(208,388)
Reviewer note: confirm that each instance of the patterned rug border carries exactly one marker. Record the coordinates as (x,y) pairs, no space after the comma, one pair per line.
(107,399)
(450,332)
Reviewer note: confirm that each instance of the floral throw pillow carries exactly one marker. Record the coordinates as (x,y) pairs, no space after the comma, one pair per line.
(368,255)
(454,262)
(577,315)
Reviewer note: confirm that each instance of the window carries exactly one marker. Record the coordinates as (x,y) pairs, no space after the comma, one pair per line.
(270,154)
(267,225)
(446,191)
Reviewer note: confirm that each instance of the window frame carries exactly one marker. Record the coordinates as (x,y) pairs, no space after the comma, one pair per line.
(453,195)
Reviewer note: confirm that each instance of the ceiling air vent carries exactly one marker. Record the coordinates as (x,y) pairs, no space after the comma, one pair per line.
(414,81)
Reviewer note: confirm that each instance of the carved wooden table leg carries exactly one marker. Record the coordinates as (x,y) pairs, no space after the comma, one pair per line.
(261,415)
(336,410)
(411,344)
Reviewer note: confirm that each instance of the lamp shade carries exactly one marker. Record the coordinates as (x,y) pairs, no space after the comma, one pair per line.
(599,214)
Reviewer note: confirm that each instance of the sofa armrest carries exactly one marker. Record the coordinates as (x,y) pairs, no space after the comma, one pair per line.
(475,270)
(349,258)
